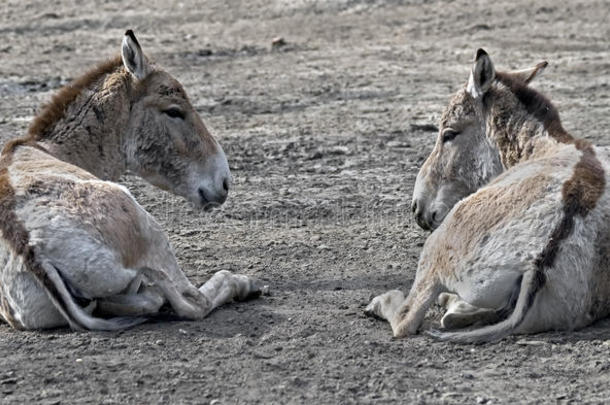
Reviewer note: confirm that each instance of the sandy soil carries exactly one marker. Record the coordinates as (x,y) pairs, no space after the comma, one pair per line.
(324,136)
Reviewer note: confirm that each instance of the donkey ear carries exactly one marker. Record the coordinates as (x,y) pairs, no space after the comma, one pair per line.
(133,58)
(482,74)
(527,75)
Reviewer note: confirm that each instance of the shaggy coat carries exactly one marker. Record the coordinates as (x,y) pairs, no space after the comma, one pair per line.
(520,212)
(76,248)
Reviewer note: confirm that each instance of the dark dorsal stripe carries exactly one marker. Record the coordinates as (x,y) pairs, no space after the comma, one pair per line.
(536,105)
(580,194)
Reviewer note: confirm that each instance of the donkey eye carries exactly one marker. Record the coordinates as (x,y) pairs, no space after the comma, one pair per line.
(449,134)
(174,112)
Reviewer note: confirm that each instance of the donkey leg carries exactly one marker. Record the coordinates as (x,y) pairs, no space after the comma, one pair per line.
(186,301)
(225,286)
(411,313)
(461,314)
(147,302)
(386,305)
(406,315)
(192,303)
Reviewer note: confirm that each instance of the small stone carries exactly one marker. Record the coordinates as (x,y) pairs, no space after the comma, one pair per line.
(530,342)
(277,42)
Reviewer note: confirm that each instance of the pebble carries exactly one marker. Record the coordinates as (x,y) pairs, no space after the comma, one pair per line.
(277,42)
(530,342)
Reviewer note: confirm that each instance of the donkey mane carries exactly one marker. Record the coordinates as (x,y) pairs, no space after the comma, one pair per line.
(537,105)
(55,109)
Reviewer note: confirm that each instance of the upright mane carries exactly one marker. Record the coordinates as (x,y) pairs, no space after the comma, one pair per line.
(55,109)
(537,105)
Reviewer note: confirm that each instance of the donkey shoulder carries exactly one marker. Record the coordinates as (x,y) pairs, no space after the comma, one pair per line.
(55,198)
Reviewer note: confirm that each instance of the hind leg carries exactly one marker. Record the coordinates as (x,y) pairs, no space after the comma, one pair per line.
(146,302)
(461,314)
(25,303)
(191,303)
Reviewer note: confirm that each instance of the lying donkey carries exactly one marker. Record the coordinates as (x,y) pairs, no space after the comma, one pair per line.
(521,215)
(78,250)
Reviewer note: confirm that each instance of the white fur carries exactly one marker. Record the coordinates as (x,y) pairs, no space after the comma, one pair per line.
(496,230)
(209,177)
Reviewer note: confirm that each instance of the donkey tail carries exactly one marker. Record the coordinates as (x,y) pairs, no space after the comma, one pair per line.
(532,282)
(76,316)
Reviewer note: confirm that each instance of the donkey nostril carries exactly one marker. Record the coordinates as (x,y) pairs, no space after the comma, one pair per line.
(202,196)
(414,206)
(225,184)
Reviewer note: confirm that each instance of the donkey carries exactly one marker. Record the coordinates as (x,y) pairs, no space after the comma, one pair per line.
(521,215)
(76,249)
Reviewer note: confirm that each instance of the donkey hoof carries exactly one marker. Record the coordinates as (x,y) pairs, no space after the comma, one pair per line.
(373,309)
(455,321)
(384,305)
(256,288)
(264,290)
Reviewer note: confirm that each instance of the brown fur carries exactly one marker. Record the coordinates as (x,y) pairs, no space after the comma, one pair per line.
(56,108)
(113,118)
(13,144)
(580,194)
(524,125)
(7,313)
(537,105)
(485,211)
(515,133)
(111,214)
(600,305)
(176,93)
(17,237)
(460,108)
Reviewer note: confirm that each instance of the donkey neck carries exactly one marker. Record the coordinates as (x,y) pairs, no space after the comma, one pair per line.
(528,126)
(517,140)
(84,124)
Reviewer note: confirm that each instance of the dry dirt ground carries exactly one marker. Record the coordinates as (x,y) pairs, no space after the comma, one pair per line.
(324,137)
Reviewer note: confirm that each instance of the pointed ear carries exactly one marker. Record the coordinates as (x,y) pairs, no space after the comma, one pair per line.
(527,75)
(133,58)
(482,74)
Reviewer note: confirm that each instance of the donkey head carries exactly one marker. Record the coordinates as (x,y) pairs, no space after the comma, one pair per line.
(166,142)
(465,156)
